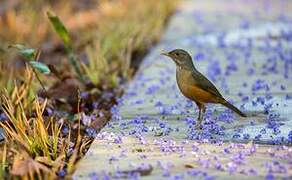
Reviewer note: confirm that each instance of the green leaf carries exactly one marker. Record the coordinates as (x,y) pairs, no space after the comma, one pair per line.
(43,68)
(60,29)
(28,53)
(64,35)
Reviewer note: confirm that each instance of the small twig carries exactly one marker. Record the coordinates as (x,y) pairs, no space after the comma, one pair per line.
(55,71)
(39,80)
(37,56)
(78,111)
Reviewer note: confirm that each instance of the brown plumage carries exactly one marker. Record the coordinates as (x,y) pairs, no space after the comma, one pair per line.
(195,85)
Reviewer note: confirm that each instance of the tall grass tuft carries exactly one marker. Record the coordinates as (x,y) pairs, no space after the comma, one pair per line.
(121,31)
(34,143)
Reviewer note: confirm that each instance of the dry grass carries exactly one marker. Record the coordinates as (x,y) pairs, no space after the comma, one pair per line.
(113,32)
(34,146)
(122,32)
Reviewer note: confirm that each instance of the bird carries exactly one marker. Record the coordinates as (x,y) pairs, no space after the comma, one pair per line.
(195,86)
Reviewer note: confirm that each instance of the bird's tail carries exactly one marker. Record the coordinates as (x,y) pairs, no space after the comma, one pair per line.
(233,108)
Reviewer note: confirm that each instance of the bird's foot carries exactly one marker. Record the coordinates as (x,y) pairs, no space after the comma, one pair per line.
(198,126)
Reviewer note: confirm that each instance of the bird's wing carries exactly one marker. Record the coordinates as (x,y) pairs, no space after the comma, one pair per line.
(202,82)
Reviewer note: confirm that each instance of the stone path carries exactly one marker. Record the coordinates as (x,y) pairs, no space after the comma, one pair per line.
(245,48)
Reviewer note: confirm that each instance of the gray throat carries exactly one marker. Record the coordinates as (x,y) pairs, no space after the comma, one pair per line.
(189,66)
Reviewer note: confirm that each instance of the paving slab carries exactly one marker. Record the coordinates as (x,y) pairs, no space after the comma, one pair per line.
(180,159)
(244,47)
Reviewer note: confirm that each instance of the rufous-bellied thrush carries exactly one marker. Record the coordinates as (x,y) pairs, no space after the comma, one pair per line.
(195,86)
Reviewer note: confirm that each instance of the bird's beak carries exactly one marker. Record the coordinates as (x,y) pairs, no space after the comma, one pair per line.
(165,54)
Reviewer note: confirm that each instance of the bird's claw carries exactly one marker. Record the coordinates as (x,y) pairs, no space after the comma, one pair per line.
(198,126)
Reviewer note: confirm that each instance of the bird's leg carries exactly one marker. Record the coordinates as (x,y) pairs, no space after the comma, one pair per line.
(199,120)
(203,107)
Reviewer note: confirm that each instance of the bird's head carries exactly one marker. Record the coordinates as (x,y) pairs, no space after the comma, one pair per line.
(181,58)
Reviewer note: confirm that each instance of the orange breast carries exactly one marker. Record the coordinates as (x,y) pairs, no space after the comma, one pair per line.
(197,94)
(187,86)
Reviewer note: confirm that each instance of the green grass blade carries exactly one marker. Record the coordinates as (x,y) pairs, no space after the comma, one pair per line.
(60,29)
(64,35)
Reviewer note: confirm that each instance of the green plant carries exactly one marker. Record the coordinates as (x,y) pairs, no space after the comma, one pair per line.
(31,57)
(64,35)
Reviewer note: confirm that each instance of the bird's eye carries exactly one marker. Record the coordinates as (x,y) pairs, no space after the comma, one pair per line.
(176,54)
